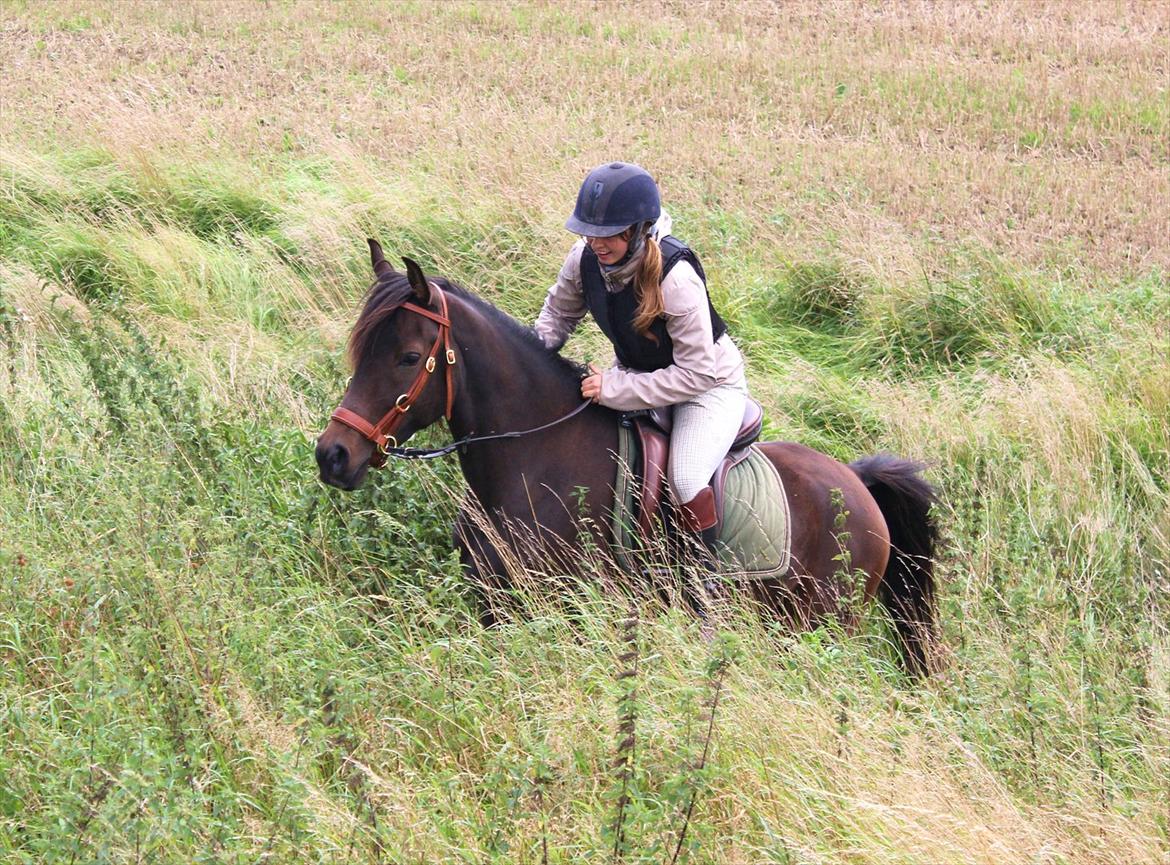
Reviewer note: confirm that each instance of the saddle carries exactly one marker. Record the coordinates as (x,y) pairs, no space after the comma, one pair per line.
(652,429)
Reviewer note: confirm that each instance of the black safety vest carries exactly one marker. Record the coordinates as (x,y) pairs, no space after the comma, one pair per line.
(614,311)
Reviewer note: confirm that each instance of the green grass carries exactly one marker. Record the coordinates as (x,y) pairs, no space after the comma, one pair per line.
(209,657)
(936,230)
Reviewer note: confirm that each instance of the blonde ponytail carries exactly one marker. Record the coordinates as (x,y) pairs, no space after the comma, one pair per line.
(648,284)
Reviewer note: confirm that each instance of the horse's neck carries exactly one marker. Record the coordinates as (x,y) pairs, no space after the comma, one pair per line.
(507,387)
(503,385)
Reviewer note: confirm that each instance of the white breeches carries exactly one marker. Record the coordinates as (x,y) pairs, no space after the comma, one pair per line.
(702,431)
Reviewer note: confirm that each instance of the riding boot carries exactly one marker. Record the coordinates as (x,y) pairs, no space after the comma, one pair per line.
(698,518)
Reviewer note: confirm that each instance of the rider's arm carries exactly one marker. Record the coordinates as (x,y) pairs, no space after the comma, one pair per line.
(699,364)
(564,306)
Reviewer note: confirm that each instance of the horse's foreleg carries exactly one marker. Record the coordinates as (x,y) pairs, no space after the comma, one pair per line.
(482,565)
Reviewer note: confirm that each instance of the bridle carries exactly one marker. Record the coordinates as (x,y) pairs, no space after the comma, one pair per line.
(382,433)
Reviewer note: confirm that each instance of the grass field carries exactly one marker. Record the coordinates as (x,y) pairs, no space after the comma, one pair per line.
(935,229)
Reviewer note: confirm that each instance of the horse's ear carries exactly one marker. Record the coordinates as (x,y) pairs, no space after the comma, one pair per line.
(422,288)
(381,265)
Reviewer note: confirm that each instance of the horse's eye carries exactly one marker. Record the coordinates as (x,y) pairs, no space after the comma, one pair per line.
(409,359)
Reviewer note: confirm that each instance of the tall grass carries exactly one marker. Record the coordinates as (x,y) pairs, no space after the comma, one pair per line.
(210,657)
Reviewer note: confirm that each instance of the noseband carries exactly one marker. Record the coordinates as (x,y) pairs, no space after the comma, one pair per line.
(382,433)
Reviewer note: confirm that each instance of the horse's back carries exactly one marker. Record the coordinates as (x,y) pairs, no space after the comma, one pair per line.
(810,477)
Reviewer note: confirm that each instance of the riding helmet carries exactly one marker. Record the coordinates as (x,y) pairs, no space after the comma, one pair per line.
(613,197)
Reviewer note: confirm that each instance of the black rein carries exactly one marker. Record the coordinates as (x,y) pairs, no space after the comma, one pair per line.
(431,453)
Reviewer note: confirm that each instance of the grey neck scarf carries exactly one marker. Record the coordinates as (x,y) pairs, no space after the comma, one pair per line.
(618,276)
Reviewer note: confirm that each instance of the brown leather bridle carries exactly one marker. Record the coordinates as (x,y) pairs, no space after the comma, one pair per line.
(382,433)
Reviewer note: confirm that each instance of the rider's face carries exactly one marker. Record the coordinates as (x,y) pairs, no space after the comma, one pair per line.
(610,250)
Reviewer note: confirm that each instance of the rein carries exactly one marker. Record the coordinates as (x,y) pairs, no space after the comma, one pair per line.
(381,434)
(431,453)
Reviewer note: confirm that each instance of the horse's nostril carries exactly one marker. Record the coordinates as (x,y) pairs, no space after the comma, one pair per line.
(332,459)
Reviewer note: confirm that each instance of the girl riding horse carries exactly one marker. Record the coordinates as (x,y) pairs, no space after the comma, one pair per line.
(648,293)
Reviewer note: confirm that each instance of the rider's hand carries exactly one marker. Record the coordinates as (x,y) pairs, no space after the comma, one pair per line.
(591,384)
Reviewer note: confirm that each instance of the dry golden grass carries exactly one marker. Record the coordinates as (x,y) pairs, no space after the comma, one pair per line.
(1039,129)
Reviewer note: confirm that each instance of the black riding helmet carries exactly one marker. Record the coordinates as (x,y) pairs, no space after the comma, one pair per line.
(613,197)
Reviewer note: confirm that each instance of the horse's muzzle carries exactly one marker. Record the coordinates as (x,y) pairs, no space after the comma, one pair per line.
(336,465)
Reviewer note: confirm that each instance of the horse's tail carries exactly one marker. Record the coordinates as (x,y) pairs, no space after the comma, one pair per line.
(907,587)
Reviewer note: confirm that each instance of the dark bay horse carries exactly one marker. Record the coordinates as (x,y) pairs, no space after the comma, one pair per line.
(424,349)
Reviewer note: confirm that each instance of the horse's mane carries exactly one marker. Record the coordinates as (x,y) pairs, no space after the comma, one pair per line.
(393,289)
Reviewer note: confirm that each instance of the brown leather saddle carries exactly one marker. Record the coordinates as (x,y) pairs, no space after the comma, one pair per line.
(653,436)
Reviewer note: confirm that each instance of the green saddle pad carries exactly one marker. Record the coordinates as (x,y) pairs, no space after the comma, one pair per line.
(755,540)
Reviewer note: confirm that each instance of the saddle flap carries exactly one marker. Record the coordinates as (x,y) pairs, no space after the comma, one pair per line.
(753,521)
(654,447)
(652,430)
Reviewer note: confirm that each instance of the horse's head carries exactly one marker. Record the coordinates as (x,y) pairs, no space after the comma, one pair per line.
(402,362)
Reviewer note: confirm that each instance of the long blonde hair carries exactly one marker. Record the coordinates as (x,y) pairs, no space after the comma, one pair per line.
(648,285)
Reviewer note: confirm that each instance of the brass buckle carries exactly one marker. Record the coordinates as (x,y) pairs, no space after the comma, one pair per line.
(388,445)
(398,403)
(451,357)
(431,363)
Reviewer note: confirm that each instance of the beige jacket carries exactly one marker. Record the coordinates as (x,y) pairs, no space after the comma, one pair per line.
(699,364)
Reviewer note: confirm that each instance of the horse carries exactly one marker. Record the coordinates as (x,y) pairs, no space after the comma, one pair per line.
(536,457)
